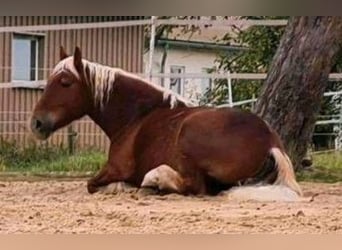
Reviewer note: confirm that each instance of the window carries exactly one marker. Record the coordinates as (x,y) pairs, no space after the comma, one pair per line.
(206,83)
(26,57)
(177,84)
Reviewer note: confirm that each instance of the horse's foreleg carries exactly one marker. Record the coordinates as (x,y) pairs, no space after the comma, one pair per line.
(103,178)
(108,180)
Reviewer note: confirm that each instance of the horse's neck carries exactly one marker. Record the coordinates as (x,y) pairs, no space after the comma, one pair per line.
(129,101)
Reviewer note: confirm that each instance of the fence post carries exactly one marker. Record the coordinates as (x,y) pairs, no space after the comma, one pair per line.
(230,92)
(71,140)
(152,44)
(253,103)
(338,138)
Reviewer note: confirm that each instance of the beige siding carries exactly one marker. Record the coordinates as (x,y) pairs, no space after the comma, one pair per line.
(119,47)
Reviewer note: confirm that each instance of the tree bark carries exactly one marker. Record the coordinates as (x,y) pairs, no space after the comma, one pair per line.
(291,96)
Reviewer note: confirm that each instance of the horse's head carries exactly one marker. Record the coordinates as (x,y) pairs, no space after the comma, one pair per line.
(65,98)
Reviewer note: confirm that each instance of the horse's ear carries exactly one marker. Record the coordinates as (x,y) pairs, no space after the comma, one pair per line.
(62,53)
(78,59)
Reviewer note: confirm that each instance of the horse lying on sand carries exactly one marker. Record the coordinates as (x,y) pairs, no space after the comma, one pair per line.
(157,138)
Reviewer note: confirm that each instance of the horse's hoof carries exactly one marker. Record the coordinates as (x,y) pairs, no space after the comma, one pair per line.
(117,188)
(91,188)
(147,191)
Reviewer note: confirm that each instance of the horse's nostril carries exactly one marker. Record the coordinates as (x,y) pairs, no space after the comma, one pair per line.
(38,124)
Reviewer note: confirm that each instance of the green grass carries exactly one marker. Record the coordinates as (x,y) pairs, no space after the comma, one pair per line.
(326,167)
(40,159)
(44,160)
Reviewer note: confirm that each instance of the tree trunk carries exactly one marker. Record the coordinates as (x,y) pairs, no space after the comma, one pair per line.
(291,96)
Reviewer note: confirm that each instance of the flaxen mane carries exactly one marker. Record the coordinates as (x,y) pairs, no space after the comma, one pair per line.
(101,79)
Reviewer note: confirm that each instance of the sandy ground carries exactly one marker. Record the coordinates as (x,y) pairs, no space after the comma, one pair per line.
(66,207)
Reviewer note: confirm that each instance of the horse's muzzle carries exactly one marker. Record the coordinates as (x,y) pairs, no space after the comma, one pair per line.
(42,127)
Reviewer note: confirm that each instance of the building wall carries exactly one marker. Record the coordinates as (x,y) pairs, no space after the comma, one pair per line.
(194,61)
(120,47)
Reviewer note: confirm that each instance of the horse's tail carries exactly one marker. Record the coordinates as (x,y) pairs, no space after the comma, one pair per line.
(285,187)
(286,175)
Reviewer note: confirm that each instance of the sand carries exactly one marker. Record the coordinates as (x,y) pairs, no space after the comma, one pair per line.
(51,207)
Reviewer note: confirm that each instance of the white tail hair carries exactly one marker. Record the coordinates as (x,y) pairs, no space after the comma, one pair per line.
(285,188)
(262,193)
(286,175)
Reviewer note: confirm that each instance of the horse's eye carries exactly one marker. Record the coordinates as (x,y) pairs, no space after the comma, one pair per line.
(65,83)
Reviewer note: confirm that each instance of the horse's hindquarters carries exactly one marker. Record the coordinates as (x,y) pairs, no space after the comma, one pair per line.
(226,145)
(221,145)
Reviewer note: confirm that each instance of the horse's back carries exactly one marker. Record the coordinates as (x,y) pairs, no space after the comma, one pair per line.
(227,144)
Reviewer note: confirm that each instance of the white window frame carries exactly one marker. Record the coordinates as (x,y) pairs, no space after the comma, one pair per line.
(39,43)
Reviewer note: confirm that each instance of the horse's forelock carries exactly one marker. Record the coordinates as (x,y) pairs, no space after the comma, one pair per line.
(66,64)
(98,77)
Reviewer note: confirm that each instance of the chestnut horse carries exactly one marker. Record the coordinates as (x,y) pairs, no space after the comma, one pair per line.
(157,138)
